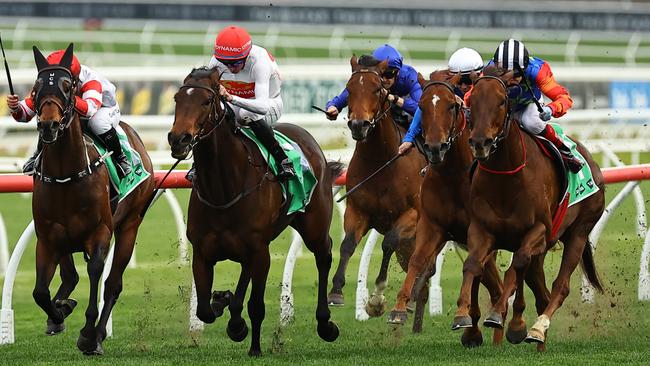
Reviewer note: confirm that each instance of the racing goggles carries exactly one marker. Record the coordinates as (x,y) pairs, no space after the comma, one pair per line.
(389,73)
(233,63)
(465,79)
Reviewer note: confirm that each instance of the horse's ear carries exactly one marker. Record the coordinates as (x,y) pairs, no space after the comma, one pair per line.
(39,59)
(454,78)
(508,77)
(441,75)
(66,60)
(354,63)
(421,80)
(382,66)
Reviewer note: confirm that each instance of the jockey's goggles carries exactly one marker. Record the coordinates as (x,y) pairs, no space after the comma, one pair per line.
(465,79)
(233,63)
(389,73)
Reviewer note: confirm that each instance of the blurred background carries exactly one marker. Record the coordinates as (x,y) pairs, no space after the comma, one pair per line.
(599,49)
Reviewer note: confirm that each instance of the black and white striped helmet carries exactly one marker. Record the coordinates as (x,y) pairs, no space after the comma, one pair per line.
(511,55)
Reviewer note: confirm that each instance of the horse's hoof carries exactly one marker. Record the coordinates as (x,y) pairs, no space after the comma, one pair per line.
(461,322)
(471,339)
(89,347)
(516,336)
(535,336)
(255,352)
(220,300)
(328,333)
(53,328)
(66,306)
(335,299)
(397,317)
(493,320)
(376,307)
(237,333)
(410,306)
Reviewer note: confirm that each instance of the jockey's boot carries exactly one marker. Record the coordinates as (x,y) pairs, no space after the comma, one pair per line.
(112,143)
(30,165)
(573,163)
(265,134)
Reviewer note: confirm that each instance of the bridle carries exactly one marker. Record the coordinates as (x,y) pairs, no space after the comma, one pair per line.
(212,117)
(453,134)
(383,98)
(507,121)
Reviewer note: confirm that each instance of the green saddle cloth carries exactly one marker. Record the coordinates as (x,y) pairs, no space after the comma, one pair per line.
(303,184)
(138,173)
(581,184)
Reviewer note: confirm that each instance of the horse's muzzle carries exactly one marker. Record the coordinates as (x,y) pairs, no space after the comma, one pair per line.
(435,152)
(481,147)
(359,129)
(48,131)
(180,144)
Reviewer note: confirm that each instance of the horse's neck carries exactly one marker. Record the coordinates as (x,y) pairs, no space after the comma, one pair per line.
(510,153)
(221,162)
(382,142)
(67,155)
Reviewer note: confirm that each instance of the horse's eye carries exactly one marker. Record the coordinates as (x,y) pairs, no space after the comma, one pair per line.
(207,103)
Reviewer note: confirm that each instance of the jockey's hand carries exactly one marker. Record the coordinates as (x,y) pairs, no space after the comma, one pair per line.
(546,113)
(13,102)
(332,113)
(404,148)
(223,92)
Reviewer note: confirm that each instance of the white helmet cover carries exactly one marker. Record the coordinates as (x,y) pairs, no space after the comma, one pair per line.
(465,60)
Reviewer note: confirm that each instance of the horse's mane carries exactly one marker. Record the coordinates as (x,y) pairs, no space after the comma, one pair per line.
(202,72)
(368,61)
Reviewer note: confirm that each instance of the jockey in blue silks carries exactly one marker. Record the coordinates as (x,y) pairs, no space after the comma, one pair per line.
(399,79)
(466,62)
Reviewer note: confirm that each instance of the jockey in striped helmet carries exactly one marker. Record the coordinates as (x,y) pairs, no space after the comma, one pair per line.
(513,55)
(97,103)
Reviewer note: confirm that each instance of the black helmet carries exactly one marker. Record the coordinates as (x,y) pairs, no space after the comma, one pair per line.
(511,55)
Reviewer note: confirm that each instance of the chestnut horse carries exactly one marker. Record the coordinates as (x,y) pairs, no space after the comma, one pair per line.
(389,202)
(444,196)
(236,207)
(514,195)
(71,207)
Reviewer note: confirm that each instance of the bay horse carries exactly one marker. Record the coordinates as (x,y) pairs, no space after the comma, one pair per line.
(514,194)
(71,207)
(389,203)
(444,196)
(236,207)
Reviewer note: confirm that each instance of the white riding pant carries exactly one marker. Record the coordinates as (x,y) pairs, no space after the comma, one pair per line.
(244,116)
(104,119)
(529,118)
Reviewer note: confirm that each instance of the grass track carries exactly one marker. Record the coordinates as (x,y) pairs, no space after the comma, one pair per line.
(150,319)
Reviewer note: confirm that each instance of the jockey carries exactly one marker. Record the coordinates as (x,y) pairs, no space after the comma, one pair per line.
(465,61)
(512,55)
(250,83)
(401,81)
(97,103)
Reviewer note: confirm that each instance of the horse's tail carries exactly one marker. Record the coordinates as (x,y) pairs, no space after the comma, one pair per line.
(589,267)
(336,168)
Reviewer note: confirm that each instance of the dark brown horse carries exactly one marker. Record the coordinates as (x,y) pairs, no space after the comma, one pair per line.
(514,195)
(236,208)
(71,207)
(444,196)
(389,202)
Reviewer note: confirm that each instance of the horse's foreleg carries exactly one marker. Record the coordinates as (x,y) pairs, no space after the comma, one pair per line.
(422,264)
(88,338)
(355,227)
(571,256)
(46,261)
(480,246)
(376,305)
(237,329)
(492,282)
(203,272)
(69,280)
(124,243)
(256,310)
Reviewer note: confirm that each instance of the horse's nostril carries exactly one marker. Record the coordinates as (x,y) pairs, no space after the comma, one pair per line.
(488,142)
(186,139)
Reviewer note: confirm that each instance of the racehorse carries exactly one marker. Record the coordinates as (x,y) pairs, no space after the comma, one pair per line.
(236,207)
(71,207)
(444,196)
(388,203)
(514,195)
